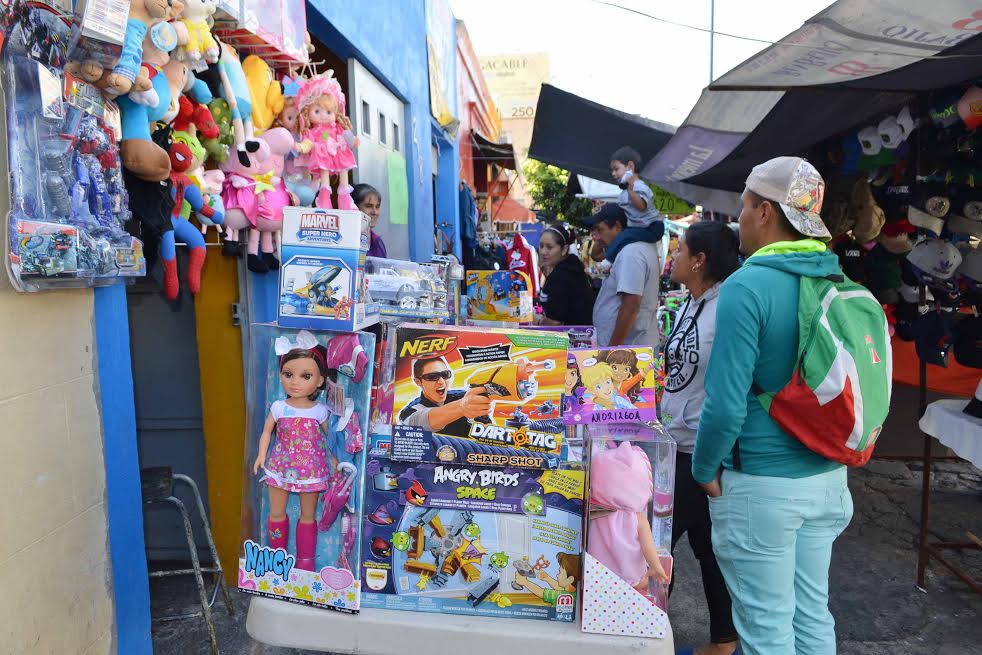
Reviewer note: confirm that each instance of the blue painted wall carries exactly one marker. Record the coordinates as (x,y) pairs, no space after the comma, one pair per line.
(123,496)
(388,37)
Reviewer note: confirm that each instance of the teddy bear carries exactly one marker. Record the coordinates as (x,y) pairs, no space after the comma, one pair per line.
(201,44)
(143,16)
(254,196)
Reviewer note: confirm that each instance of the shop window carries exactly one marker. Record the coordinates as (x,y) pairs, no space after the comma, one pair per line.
(382,136)
(395,137)
(366,118)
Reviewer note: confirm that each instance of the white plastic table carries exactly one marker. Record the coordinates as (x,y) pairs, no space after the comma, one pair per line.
(390,632)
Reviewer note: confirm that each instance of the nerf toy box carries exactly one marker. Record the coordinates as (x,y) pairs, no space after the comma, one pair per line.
(627,565)
(314,453)
(478,396)
(471,540)
(610,385)
(322,275)
(499,296)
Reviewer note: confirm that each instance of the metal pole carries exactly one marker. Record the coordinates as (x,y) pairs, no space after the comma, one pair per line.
(712,36)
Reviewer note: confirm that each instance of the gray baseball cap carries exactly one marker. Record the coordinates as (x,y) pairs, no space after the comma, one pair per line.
(798,188)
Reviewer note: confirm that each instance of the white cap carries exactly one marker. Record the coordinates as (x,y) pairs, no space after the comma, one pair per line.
(798,188)
(968,220)
(870,140)
(937,258)
(911,294)
(971,266)
(906,122)
(890,133)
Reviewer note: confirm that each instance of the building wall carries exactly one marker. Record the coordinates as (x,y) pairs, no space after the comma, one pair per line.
(389,38)
(476,108)
(54,560)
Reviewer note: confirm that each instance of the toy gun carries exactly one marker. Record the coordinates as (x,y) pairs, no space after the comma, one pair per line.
(513,382)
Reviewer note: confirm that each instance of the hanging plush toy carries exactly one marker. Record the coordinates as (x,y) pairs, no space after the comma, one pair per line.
(254,198)
(266,93)
(143,16)
(211,184)
(235,90)
(302,189)
(200,44)
(183,189)
(327,138)
(218,148)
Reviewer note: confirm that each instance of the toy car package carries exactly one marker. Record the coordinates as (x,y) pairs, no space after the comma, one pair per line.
(499,296)
(470,540)
(486,397)
(610,385)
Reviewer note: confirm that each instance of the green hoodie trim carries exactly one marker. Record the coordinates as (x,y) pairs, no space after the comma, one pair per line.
(790,248)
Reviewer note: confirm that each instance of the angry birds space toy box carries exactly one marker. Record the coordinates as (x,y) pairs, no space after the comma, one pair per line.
(457,539)
(305,453)
(322,276)
(478,396)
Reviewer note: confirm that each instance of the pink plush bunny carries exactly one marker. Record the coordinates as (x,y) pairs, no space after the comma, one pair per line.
(211,187)
(254,198)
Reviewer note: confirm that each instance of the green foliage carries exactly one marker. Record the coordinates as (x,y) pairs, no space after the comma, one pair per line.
(547,186)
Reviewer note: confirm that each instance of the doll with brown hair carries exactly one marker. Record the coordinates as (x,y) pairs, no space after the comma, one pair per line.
(625,371)
(299,462)
(327,139)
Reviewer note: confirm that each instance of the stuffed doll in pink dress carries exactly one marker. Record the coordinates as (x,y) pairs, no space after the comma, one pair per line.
(620,534)
(327,139)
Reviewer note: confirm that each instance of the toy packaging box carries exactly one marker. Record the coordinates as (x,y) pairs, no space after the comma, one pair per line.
(456,539)
(610,385)
(499,296)
(627,564)
(478,396)
(407,289)
(329,457)
(322,275)
(580,336)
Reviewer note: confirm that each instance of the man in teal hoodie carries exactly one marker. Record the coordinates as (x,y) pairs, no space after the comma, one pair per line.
(776,506)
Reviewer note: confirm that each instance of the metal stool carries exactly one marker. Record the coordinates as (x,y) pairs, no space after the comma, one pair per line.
(158,488)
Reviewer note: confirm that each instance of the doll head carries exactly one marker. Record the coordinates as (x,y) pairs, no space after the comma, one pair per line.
(623,364)
(599,381)
(303,372)
(572,379)
(320,101)
(569,570)
(322,110)
(289,117)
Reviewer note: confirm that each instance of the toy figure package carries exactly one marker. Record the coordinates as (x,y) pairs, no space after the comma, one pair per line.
(610,385)
(322,277)
(459,539)
(305,453)
(499,296)
(485,397)
(627,565)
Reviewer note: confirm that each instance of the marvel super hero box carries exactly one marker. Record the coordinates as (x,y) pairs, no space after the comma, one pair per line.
(478,396)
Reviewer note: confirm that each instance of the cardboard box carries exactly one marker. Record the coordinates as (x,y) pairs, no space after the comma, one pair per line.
(610,385)
(478,396)
(471,540)
(271,571)
(499,296)
(632,481)
(322,271)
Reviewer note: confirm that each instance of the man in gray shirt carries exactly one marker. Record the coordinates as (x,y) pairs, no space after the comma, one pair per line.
(626,309)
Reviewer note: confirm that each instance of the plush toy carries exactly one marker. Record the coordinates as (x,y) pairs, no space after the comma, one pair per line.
(211,184)
(182,189)
(141,156)
(235,90)
(266,93)
(208,182)
(218,148)
(254,198)
(179,79)
(201,44)
(327,138)
(195,119)
(143,16)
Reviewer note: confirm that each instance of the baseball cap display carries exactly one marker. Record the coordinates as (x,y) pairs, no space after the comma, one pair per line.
(929,206)
(906,122)
(911,294)
(898,244)
(935,262)
(869,217)
(970,107)
(891,134)
(971,266)
(967,341)
(966,214)
(797,187)
(932,338)
(870,141)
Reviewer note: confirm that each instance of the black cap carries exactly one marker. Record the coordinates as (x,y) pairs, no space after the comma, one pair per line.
(611,211)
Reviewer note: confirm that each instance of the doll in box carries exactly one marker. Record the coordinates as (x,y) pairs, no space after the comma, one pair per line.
(327,142)
(620,538)
(299,462)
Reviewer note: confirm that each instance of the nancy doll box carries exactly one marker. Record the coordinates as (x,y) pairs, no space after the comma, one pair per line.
(478,396)
(484,541)
(610,385)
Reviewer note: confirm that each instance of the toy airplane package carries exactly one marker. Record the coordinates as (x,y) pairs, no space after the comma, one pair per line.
(459,539)
(478,396)
(499,296)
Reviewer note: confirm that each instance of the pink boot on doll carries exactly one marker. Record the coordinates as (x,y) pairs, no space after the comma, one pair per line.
(323,200)
(279,533)
(306,545)
(345,200)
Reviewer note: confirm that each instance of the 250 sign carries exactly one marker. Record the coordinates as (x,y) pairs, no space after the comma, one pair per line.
(521,111)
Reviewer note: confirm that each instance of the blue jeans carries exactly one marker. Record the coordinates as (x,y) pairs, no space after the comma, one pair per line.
(773,541)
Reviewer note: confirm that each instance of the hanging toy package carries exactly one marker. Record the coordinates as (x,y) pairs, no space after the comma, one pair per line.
(308,414)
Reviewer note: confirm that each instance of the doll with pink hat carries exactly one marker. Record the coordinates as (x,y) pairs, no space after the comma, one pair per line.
(327,139)
(620,538)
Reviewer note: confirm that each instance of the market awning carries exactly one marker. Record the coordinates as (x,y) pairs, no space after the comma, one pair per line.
(855,60)
(502,154)
(507,210)
(579,135)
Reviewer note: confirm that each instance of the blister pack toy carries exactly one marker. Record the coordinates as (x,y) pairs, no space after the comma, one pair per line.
(499,296)
(471,540)
(308,414)
(407,289)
